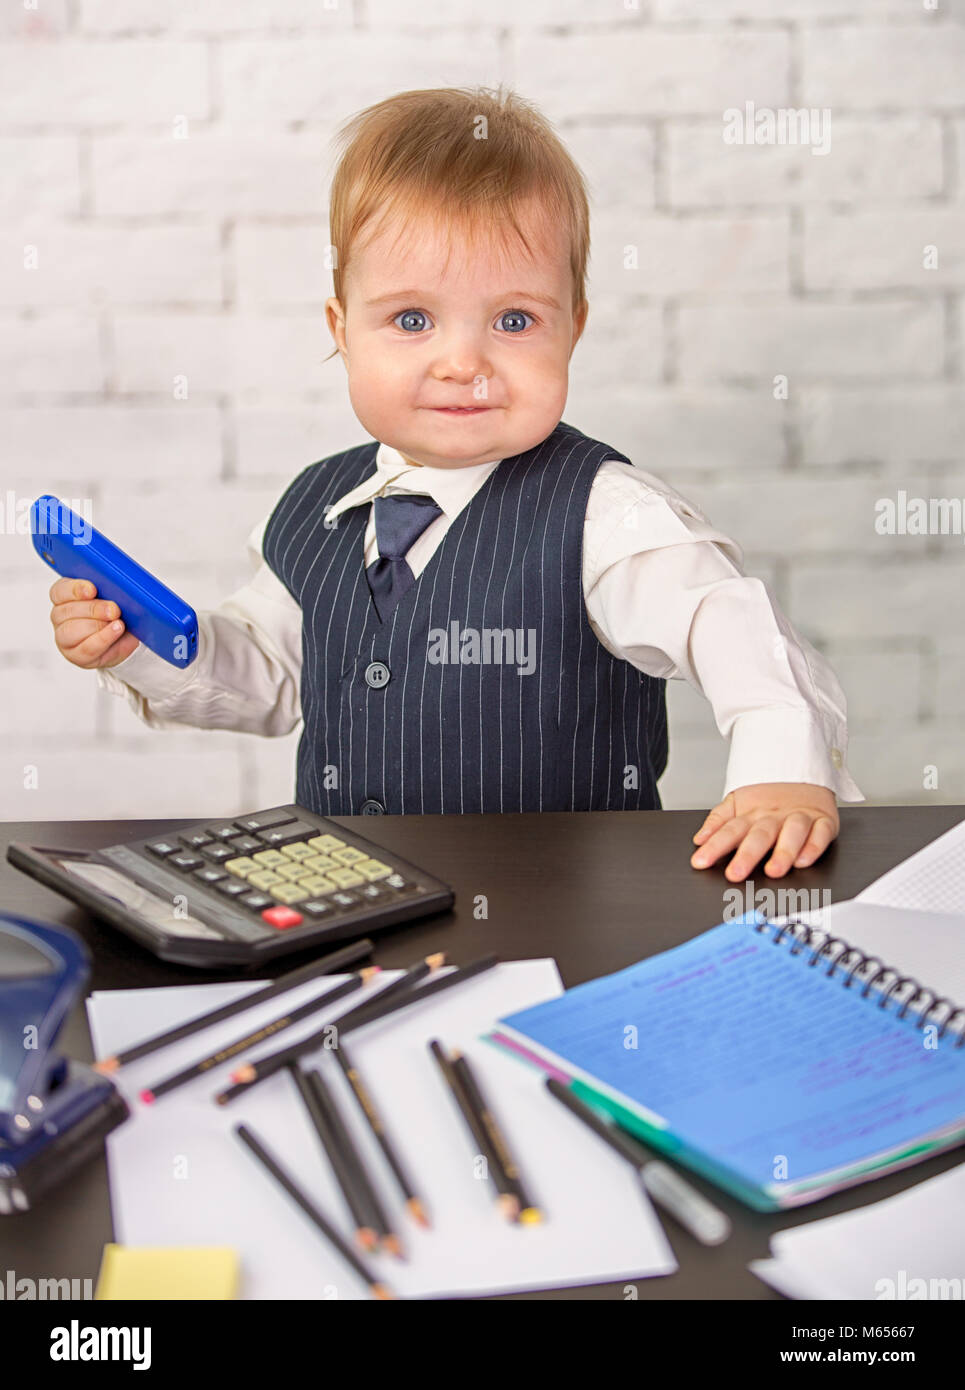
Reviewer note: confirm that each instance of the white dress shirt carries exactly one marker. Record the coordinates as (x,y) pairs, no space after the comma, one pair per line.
(663,590)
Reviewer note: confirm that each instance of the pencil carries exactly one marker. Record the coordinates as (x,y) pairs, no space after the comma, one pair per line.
(325,965)
(253,1072)
(365,1233)
(662,1182)
(529,1212)
(414,1204)
(268,1030)
(356,1164)
(507,1203)
(268,1161)
(394,994)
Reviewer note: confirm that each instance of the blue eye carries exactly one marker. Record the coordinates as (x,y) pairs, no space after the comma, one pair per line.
(514,316)
(412,320)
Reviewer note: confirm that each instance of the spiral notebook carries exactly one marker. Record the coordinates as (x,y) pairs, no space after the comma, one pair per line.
(776,1059)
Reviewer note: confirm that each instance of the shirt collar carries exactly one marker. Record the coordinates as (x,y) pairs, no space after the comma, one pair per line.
(449,488)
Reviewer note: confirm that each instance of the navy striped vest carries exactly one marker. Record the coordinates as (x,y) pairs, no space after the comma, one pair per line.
(486,689)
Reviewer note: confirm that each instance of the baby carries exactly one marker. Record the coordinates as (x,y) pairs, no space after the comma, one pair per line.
(480,610)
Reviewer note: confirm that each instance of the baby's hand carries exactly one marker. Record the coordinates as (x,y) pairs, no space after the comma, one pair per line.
(799,819)
(88,634)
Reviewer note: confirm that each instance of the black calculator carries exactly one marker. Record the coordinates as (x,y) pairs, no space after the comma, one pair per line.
(236,892)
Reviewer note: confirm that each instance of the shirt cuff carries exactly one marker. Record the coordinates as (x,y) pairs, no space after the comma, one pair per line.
(787,745)
(149,674)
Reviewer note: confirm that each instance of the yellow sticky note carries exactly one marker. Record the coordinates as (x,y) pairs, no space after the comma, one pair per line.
(168,1272)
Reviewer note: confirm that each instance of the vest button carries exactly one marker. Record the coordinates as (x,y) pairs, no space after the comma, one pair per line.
(371,807)
(376,675)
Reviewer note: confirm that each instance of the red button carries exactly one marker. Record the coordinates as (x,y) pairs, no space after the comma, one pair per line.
(281,917)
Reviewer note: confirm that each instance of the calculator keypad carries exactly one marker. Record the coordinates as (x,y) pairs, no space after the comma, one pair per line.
(279,871)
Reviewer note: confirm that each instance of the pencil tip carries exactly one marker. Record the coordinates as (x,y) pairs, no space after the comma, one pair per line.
(531,1216)
(382,1291)
(417,1211)
(366,1237)
(393,1245)
(107,1066)
(436,960)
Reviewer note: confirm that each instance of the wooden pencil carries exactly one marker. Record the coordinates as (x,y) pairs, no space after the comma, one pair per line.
(414,1204)
(529,1212)
(365,1233)
(376,1287)
(365,1184)
(253,1072)
(507,1203)
(325,965)
(268,1030)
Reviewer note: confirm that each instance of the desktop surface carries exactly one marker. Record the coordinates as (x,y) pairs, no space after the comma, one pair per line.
(595,890)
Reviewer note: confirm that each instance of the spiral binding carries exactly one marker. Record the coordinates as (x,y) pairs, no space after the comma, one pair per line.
(804,936)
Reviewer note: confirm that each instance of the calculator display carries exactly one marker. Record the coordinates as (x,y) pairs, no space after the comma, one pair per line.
(157,911)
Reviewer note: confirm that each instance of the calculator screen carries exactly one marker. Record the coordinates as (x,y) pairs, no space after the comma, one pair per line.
(157,911)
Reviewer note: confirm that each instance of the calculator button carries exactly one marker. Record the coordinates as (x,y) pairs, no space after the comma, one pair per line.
(243,866)
(270,858)
(315,908)
(244,844)
(397,881)
(279,835)
(162,848)
(372,869)
(185,861)
(292,872)
(195,839)
(299,850)
(344,878)
(256,902)
(222,830)
(209,874)
(348,855)
(318,863)
(263,820)
(345,899)
(317,886)
(218,853)
(281,917)
(231,887)
(289,893)
(326,843)
(265,878)
(373,890)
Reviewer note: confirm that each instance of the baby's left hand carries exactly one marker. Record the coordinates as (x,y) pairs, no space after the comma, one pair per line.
(799,819)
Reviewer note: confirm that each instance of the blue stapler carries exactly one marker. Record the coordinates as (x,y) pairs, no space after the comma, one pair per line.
(54,1113)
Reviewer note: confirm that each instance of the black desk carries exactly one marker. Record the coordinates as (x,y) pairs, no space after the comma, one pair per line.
(596,891)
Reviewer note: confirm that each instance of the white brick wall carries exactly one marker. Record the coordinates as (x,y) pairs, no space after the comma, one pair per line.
(166,164)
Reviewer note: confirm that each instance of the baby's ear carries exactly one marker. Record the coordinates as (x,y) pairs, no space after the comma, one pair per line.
(579,322)
(335,317)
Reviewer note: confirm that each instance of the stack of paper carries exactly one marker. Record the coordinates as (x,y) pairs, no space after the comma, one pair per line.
(907,1247)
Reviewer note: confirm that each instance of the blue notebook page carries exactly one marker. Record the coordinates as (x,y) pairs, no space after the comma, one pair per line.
(754,1058)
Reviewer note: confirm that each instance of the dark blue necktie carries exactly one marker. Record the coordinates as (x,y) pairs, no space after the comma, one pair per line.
(400,520)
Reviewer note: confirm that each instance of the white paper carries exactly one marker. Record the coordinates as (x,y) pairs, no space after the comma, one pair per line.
(180,1176)
(931,880)
(908,1247)
(928,946)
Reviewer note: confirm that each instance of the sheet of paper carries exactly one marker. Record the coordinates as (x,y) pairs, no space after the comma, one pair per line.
(929,946)
(179,1176)
(932,880)
(911,1246)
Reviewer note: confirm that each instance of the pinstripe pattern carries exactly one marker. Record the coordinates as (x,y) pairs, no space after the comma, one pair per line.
(458,737)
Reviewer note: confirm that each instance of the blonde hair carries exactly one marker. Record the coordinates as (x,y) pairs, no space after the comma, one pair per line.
(471,157)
